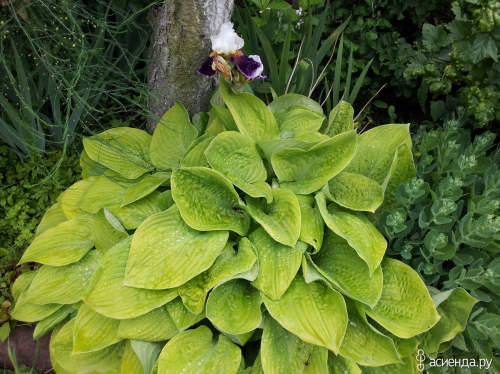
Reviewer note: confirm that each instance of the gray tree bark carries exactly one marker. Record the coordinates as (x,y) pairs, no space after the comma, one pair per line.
(180,42)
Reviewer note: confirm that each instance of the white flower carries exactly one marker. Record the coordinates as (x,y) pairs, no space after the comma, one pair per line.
(298,11)
(227,42)
(260,69)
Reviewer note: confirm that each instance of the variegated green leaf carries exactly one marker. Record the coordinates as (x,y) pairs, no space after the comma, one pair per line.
(228,264)
(107,295)
(304,172)
(356,229)
(208,201)
(251,115)
(154,326)
(405,307)
(354,191)
(172,137)
(179,252)
(234,307)
(281,218)
(63,284)
(93,331)
(341,265)
(278,263)
(196,351)
(314,312)
(122,149)
(235,156)
(144,187)
(62,245)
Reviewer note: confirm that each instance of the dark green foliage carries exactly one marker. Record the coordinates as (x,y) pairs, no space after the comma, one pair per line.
(65,66)
(448,226)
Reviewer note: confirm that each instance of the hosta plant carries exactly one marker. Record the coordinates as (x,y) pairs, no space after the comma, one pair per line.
(245,248)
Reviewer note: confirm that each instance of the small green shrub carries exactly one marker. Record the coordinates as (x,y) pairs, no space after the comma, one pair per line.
(448,227)
(248,246)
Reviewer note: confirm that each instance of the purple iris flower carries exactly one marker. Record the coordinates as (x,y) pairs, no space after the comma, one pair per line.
(251,66)
(206,67)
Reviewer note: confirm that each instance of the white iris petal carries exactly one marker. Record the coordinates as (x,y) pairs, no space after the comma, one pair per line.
(227,42)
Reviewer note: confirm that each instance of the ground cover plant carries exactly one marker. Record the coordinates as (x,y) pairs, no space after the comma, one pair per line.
(448,228)
(242,242)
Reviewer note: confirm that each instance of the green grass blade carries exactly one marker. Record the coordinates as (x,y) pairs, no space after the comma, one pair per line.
(349,73)
(358,84)
(280,88)
(327,44)
(338,71)
(271,58)
(316,38)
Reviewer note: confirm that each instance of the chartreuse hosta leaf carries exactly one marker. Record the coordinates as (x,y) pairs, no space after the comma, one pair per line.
(133,214)
(107,295)
(227,265)
(298,120)
(376,149)
(234,307)
(225,117)
(251,115)
(284,352)
(130,362)
(122,149)
(454,307)
(90,168)
(23,309)
(405,307)
(144,187)
(63,284)
(341,365)
(304,172)
(172,137)
(69,199)
(270,147)
(402,170)
(198,352)
(107,231)
(108,189)
(64,244)
(215,127)
(408,366)
(48,323)
(278,263)
(52,217)
(288,100)
(208,201)
(312,137)
(281,218)
(340,119)
(196,155)
(166,253)
(148,354)
(93,331)
(318,363)
(312,224)
(181,316)
(154,326)
(365,345)
(341,265)
(236,157)
(165,200)
(354,191)
(356,229)
(104,361)
(314,312)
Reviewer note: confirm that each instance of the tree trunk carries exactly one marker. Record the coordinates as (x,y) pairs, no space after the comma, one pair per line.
(179,44)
